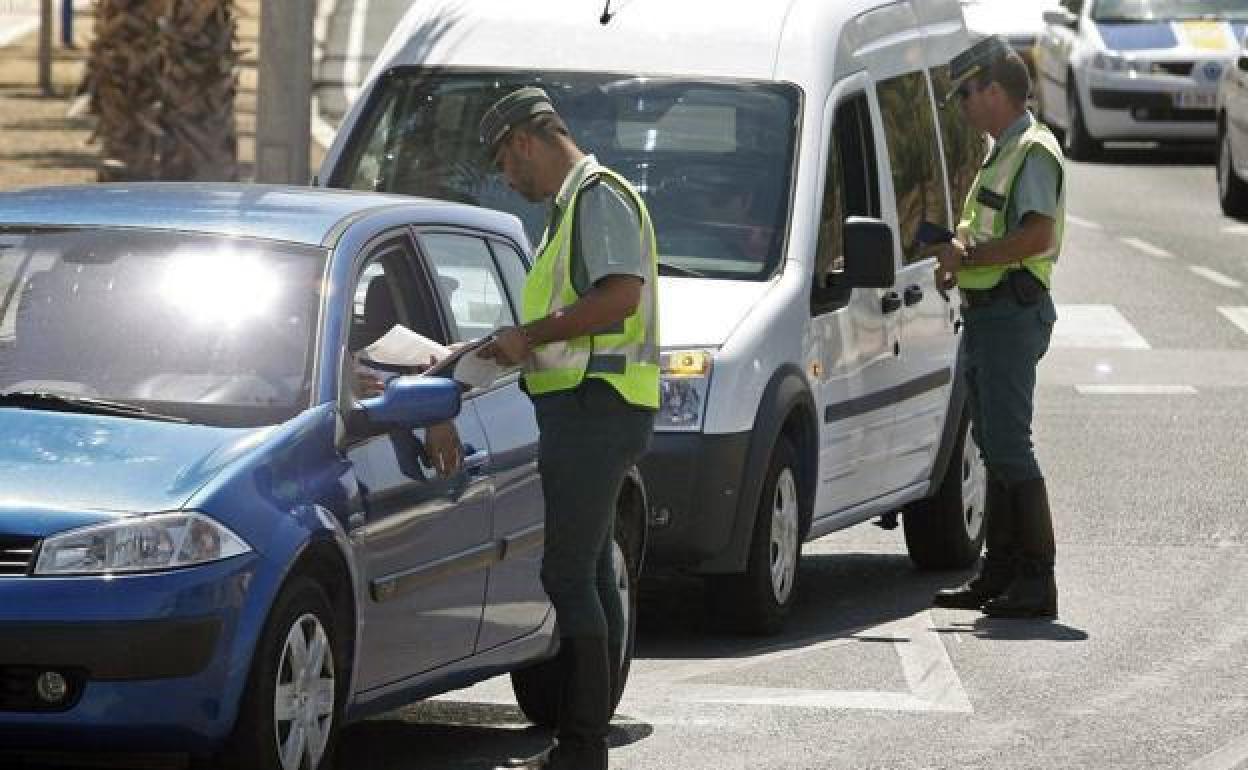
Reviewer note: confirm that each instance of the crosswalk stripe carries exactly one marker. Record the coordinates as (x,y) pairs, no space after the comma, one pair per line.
(1215,276)
(1095,326)
(1089,224)
(1230,230)
(1135,390)
(1147,248)
(1237,316)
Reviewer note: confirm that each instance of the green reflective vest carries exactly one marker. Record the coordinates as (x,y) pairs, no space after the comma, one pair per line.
(626,356)
(984,213)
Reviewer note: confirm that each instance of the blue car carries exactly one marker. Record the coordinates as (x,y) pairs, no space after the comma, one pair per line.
(213,542)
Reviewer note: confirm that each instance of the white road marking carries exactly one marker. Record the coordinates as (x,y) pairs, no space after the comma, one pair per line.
(1135,390)
(1229,757)
(1237,316)
(1094,326)
(1087,223)
(17,30)
(1215,276)
(1147,248)
(355,44)
(1230,230)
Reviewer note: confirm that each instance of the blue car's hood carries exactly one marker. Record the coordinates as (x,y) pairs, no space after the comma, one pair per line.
(53,461)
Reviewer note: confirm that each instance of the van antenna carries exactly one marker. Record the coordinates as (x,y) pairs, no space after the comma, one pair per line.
(605,19)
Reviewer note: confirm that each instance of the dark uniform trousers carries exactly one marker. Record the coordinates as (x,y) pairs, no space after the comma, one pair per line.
(590,438)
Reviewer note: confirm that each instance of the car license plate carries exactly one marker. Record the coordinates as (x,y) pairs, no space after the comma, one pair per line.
(1196,100)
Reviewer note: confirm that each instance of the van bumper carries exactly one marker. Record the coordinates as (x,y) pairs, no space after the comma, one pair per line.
(693,482)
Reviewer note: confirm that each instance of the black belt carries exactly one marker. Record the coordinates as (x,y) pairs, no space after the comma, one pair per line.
(1006,288)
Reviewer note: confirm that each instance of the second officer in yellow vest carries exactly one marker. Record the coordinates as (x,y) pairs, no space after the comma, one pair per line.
(1002,261)
(588,347)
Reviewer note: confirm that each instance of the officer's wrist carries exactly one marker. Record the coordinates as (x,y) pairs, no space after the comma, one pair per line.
(968,256)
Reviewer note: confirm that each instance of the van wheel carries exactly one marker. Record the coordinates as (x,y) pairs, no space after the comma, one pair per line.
(946,530)
(1232,191)
(292,706)
(758,601)
(537,687)
(1079,144)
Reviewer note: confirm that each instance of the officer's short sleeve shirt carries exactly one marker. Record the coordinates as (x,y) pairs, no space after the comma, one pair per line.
(1038,186)
(608,236)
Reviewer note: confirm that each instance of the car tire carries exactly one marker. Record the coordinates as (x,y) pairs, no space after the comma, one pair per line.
(758,601)
(946,530)
(1232,191)
(313,687)
(537,687)
(1077,142)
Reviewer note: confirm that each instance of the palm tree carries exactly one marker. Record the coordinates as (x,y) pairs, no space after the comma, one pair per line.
(163,81)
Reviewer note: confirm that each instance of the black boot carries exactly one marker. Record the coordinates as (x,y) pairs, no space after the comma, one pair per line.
(584,708)
(1033,594)
(1000,562)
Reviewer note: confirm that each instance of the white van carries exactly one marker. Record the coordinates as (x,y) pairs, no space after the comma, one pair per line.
(787,151)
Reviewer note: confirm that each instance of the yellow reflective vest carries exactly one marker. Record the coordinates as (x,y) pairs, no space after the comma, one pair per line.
(626,356)
(984,213)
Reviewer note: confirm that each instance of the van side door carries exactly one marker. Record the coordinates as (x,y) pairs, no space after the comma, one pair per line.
(928,341)
(854,330)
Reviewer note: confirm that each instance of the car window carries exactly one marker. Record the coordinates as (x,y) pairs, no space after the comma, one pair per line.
(514,270)
(851,188)
(468,283)
(918,180)
(964,146)
(1162,10)
(216,330)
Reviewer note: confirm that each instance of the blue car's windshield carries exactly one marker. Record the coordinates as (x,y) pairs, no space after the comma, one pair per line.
(216,330)
(1167,10)
(712,158)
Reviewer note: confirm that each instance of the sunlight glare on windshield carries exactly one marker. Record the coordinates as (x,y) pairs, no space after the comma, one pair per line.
(224,287)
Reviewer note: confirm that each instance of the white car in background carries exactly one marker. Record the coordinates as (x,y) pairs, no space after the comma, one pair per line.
(1233,137)
(1136,69)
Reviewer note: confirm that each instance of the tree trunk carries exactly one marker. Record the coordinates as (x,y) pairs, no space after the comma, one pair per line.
(163,82)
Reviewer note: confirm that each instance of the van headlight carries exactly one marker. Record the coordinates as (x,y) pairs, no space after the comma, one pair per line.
(686,377)
(139,544)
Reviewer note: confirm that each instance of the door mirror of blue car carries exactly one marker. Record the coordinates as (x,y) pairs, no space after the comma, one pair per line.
(413,402)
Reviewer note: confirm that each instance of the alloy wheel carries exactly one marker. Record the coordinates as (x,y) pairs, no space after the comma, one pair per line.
(974,488)
(303,703)
(784,515)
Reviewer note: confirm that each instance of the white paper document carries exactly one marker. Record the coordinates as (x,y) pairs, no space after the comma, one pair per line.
(403,347)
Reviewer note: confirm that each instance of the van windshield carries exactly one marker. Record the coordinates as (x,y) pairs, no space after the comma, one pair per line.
(712,158)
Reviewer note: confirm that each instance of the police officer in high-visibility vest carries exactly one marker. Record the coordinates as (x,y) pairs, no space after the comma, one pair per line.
(588,347)
(1002,261)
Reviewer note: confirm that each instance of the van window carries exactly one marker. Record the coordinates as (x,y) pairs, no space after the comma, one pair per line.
(918,182)
(851,188)
(712,158)
(964,146)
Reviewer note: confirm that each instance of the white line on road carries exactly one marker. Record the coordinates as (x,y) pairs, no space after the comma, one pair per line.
(355,44)
(17,31)
(1229,757)
(1089,224)
(1237,316)
(1095,326)
(1230,230)
(1135,390)
(1147,248)
(1215,276)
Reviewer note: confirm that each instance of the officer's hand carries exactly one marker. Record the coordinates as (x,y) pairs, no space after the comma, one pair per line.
(367,383)
(510,347)
(443,448)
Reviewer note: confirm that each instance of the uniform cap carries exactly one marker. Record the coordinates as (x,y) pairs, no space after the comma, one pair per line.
(514,108)
(975,61)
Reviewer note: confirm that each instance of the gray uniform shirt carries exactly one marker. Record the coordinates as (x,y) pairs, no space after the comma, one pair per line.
(1039,182)
(607,231)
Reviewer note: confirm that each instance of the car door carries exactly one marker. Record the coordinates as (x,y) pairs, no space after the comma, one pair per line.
(1053,52)
(924,365)
(854,330)
(424,543)
(482,279)
(1237,108)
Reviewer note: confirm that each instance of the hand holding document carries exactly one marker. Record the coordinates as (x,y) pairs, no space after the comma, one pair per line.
(402,347)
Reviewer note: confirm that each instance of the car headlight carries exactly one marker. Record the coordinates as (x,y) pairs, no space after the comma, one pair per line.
(686,376)
(138,544)
(1112,62)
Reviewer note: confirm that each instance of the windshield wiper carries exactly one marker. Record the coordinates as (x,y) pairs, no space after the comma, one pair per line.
(667,268)
(56,402)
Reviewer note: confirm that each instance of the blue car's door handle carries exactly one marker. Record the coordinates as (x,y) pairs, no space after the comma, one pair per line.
(475,460)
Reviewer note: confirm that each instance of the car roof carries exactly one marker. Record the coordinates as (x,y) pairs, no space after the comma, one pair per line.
(304,215)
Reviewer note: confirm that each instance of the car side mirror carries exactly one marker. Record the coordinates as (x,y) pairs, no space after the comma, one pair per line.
(869,254)
(1061,17)
(413,402)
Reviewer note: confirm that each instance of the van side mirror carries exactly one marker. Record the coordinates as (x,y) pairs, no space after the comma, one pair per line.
(1061,17)
(869,256)
(412,402)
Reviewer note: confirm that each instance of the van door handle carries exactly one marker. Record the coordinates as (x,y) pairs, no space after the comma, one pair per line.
(890,303)
(913,295)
